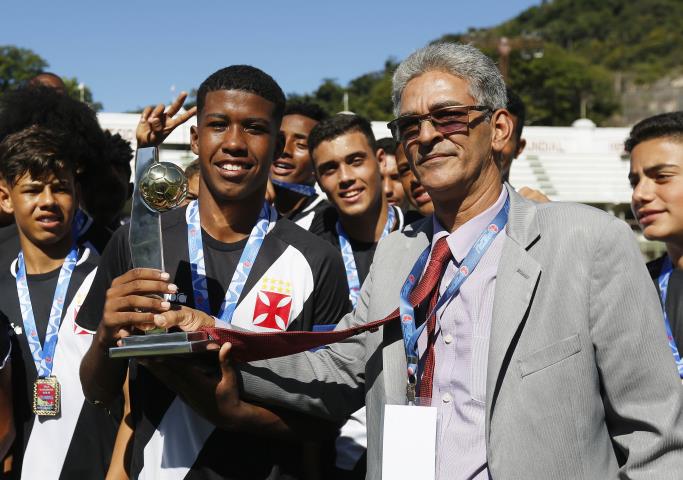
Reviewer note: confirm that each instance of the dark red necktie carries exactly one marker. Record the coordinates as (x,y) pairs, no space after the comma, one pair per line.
(430,286)
(250,346)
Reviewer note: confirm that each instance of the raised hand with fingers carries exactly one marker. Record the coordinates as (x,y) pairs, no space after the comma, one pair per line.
(156,123)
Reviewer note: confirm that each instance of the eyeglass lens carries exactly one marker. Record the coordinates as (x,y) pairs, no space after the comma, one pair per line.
(446,121)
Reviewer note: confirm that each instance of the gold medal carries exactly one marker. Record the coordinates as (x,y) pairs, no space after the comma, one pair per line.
(46,396)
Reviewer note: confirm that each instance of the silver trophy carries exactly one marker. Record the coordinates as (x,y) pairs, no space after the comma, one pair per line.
(159,186)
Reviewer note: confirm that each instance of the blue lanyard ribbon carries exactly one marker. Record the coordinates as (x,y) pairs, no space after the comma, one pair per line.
(347,255)
(300,188)
(43,356)
(663,282)
(266,218)
(410,333)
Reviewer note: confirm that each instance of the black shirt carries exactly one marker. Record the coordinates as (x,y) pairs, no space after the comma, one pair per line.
(363,252)
(296,283)
(412,216)
(94,237)
(307,216)
(80,440)
(674,298)
(5,345)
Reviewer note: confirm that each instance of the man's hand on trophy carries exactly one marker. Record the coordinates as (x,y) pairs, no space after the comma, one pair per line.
(533,195)
(185,318)
(227,390)
(156,123)
(132,301)
(213,394)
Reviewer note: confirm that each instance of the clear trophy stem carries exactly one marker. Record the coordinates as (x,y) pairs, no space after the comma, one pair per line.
(147,251)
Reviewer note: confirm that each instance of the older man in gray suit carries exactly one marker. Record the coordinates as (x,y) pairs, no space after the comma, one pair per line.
(550,361)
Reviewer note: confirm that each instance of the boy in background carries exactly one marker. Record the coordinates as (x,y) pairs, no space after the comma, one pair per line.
(41,291)
(656,176)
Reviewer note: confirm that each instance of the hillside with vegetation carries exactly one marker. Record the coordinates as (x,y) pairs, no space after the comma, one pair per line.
(567,59)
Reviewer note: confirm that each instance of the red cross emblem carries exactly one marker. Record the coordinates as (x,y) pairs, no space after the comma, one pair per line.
(78,330)
(272,310)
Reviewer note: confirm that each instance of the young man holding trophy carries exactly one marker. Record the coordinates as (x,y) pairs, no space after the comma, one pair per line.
(225,255)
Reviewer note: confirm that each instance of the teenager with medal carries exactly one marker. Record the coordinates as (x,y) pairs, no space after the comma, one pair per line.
(291,175)
(656,175)
(43,290)
(345,162)
(540,352)
(225,256)
(97,151)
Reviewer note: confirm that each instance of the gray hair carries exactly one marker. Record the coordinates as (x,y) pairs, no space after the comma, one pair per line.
(463,61)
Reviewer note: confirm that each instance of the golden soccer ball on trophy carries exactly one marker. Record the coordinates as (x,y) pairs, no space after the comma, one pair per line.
(163,186)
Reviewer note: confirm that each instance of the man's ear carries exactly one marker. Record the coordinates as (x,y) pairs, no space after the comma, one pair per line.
(501,125)
(521,145)
(194,140)
(5,198)
(381,157)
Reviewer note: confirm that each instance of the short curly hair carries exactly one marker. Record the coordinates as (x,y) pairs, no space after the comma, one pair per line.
(668,125)
(306,109)
(37,151)
(338,125)
(36,105)
(247,79)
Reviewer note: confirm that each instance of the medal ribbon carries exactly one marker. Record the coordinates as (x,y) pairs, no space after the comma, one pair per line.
(663,282)
(347,255)
(266,219)
(43,356)
(300,188)
(469,263)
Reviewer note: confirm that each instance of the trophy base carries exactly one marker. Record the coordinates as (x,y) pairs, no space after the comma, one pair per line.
(160,344)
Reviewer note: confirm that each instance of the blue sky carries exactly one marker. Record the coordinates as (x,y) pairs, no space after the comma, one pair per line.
(131,53)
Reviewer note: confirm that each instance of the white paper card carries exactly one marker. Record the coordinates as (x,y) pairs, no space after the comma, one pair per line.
(409,443)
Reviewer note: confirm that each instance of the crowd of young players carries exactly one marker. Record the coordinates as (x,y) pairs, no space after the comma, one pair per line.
(274,255)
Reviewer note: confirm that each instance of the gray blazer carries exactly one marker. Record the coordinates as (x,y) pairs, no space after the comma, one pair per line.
(581,383)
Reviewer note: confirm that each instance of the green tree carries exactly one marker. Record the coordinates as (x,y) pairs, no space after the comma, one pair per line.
(369,94)
(18,65)
(73,90)
(583,43)
(556,85)
(642,37)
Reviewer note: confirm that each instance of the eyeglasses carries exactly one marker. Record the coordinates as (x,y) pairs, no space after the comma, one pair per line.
(446,121)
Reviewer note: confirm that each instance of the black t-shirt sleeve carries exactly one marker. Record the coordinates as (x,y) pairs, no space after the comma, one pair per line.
(332,292)
(115,261)
(324,223)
